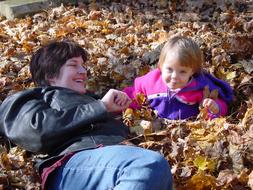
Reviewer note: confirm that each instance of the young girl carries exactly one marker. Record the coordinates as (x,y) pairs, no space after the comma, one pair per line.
(175,88)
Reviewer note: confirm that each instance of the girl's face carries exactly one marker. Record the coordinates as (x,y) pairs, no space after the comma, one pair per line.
(174,74)
(72,75)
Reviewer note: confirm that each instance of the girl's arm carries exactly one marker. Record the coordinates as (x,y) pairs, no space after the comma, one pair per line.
(132,91)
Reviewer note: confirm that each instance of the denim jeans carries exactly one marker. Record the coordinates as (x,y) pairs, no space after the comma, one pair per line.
(117,167)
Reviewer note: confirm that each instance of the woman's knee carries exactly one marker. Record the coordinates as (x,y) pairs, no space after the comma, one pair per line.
(161,163)
(159,169)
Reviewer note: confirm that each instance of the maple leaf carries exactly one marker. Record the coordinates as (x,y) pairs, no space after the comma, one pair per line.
(203,163)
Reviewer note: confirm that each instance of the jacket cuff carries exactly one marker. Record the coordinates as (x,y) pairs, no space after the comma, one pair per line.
(100,109)
(103,108)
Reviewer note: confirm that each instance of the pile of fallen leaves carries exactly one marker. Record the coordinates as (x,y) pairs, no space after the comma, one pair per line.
(124,41)
(203,154)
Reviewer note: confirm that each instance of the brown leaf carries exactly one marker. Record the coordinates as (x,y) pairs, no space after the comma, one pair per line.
(201,181)
(186,172)
(94,15)
(241,45)
(5,161)
(237,157)
(206,92)
(214,94)
(248,118)
(225,178)
(250,182)
(3,181)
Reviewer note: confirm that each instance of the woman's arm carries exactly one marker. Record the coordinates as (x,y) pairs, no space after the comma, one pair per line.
(32,123)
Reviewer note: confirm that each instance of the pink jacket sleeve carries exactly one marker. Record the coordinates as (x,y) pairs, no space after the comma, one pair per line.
(197,96)
(132,91)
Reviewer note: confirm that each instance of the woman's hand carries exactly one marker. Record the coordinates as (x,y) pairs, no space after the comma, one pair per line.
(115,100)
(211,105)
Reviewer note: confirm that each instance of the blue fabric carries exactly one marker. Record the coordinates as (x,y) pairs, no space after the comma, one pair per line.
(171,108)
(118,167)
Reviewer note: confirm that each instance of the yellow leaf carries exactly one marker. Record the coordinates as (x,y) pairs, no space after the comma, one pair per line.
(203,113)
(129,112)
(106,31)
(202,163)
(230,75)
(141,99)
(128,116)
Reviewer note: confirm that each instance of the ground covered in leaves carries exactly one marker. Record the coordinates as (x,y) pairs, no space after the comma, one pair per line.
(124,41)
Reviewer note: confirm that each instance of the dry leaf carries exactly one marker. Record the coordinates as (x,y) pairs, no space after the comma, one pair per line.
(250,182)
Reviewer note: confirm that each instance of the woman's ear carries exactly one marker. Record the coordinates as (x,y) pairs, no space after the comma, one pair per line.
(51,81)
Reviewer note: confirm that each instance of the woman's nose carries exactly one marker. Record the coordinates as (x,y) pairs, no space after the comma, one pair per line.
(82,70)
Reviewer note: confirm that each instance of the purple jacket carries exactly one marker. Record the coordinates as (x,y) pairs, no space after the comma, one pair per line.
(184,103)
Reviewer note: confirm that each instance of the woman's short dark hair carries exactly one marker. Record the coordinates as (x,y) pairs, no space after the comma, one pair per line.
(47,61)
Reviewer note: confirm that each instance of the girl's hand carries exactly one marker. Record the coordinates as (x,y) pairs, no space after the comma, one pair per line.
(211,105)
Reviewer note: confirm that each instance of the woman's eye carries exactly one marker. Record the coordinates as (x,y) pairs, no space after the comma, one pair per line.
(72,65)
(182,72)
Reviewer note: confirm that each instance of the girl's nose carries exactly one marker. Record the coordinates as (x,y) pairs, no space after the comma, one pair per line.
(174,75)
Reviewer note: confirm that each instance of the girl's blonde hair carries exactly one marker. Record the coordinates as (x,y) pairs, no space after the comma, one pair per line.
(188,51)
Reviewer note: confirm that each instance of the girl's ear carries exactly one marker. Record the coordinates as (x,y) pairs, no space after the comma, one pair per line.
(193,72)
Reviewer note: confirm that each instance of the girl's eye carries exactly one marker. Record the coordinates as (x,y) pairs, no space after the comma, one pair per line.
(182,72)
(170,70)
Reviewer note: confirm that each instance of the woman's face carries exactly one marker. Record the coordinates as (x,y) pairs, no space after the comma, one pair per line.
(72,75)
(174,74)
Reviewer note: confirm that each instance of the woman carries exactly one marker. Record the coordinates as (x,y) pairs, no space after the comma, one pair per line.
(77,131)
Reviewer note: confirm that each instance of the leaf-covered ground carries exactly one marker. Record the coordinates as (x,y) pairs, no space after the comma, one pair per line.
(124,41)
